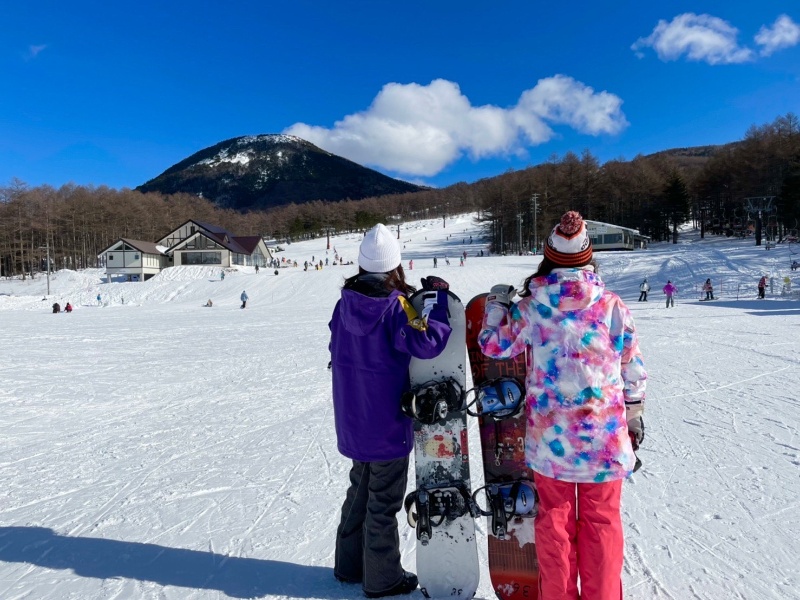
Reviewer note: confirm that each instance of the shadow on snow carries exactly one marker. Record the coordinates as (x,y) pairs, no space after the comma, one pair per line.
(757,307)
(110,559)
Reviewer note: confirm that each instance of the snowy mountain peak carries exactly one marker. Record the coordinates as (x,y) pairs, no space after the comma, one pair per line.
(257,172)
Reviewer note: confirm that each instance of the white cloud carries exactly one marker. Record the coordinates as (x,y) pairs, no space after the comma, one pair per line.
(420,129)
(699,37)
(784,33)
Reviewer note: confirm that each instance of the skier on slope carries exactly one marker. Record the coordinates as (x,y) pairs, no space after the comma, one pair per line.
(585,393)
(762,286)
(670,290)
(644,287)
(374,333)
(244,298)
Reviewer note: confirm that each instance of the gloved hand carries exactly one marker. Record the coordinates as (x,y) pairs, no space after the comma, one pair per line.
(431,282)
(501,293)
(636,431)
(429,301)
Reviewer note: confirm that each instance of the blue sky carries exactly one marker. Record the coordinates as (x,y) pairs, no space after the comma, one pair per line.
(114,93)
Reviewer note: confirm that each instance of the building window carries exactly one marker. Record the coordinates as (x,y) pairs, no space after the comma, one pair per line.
(110,257)
(135,257)
(201,258)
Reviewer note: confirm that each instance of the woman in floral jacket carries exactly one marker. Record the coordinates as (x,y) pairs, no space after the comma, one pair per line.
(585,394)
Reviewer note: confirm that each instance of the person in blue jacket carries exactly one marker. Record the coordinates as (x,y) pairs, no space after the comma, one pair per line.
(374,333)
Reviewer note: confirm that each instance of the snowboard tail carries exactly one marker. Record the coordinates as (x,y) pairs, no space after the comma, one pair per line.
(513,566)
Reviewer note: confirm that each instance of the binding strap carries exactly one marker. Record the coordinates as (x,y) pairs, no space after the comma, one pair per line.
(508,500)
(430,506)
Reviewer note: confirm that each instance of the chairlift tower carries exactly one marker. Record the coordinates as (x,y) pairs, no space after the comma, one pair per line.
(760,205)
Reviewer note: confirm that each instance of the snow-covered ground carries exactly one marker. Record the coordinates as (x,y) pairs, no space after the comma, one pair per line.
(154,448)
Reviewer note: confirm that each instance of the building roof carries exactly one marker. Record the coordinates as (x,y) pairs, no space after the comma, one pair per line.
(145,247)
(221,239)
(249,242)
(591,222)
(212,228)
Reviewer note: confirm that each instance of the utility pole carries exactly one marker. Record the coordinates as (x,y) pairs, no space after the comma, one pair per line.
(519,231)
(535,203)
(47,245)
(46,248)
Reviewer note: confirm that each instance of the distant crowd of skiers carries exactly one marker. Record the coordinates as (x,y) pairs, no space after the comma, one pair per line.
(671,290)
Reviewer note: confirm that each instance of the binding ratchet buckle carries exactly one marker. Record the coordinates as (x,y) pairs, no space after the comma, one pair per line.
(433,401)
(506,501)
(498,399)
(432,505)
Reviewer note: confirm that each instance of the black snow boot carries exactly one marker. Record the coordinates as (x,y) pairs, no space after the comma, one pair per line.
(406,585)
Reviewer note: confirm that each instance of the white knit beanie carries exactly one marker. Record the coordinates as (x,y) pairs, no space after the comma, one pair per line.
(379,252)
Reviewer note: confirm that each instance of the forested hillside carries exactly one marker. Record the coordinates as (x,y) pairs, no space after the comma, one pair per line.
(650,193)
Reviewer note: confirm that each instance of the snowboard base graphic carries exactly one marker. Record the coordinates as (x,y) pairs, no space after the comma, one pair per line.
(513,567)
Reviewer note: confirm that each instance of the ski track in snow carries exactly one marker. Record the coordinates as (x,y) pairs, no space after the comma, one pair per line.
(154,448)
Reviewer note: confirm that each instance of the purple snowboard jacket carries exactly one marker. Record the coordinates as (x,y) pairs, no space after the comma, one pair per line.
(374,334)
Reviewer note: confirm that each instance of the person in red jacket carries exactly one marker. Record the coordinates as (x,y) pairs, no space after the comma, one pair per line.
(762,286)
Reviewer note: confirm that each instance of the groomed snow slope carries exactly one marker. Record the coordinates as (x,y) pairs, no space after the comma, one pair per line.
(159,449)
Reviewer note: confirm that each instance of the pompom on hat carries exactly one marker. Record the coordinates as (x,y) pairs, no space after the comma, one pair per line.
(568,245)
(379,251)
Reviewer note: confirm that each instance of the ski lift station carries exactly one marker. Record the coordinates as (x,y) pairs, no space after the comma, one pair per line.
(605,236)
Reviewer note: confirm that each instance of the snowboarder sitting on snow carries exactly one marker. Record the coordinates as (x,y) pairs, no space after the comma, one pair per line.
(209,303)
(644,287)
(586,388)
(708,289)
(244,299)
(670,290)
(68,308)
(56,307)
(374,333)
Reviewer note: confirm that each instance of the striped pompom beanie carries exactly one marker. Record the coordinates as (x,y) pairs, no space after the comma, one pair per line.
(568,245)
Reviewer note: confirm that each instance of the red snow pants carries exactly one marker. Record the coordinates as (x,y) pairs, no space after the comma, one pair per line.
(579,535)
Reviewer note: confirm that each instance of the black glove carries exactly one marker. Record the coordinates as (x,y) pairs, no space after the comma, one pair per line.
(636,431)
(431,282)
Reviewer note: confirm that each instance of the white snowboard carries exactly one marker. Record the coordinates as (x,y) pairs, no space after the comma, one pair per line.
(447,566)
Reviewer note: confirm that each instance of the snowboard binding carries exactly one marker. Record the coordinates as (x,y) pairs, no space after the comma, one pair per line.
(498,399)
(505,501)
(433,401)
(430,506)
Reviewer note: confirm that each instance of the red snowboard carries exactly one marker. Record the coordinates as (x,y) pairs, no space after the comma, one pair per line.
(513,566)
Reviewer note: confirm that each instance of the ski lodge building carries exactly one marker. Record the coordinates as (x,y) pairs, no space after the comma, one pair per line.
(193,243)
(606,236)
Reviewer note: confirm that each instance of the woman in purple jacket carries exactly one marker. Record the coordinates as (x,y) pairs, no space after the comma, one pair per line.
(374,333)
(670,290)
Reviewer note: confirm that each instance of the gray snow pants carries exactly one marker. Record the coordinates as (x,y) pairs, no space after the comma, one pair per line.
(367,541)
